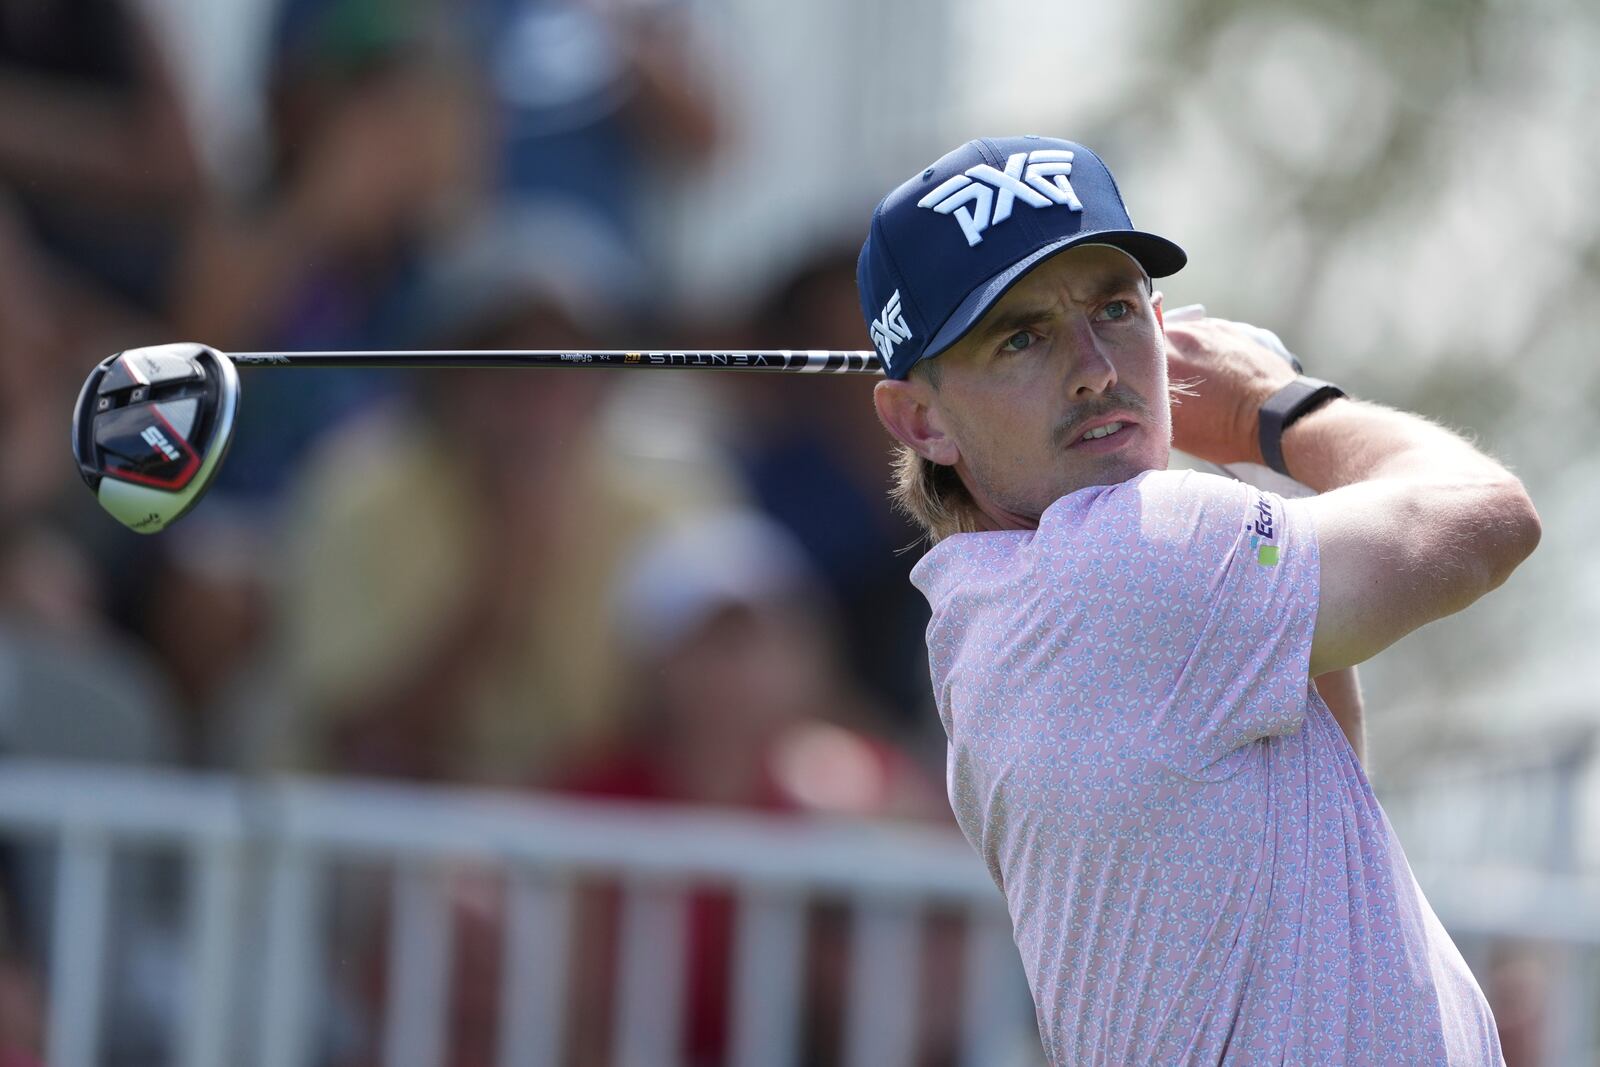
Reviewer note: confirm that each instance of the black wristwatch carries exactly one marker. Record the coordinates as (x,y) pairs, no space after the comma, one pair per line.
(1300,397)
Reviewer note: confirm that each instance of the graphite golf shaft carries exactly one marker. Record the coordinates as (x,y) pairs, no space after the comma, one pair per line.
(801,361)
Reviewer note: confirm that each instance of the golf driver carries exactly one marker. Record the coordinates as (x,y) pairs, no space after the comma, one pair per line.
(152,425)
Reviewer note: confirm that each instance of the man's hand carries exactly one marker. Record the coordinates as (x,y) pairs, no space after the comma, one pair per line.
(1233,374)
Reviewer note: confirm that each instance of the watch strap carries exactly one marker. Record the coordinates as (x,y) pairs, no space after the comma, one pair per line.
(1294,401)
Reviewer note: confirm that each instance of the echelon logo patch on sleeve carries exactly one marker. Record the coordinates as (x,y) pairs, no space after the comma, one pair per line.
(1263,534)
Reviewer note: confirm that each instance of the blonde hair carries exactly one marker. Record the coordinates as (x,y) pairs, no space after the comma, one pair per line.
(933,496)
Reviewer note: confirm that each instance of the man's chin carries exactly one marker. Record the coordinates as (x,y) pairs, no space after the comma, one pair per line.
(1112,470)
(1011,512)
(1119,467)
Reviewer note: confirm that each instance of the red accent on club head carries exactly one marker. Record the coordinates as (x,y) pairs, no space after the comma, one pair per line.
(177,481)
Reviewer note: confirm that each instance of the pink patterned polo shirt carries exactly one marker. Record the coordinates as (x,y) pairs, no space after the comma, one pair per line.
(1196,867)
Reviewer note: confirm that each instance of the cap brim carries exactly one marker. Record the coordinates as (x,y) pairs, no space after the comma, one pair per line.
(1158,256)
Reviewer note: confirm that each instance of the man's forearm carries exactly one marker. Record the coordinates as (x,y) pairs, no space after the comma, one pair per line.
(1349,441)
(1464,513)
(1413,523)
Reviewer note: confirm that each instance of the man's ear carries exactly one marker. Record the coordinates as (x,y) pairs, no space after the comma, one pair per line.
(906,410)
(1155,302)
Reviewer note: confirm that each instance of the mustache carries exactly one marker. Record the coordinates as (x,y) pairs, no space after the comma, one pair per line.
(1112,402)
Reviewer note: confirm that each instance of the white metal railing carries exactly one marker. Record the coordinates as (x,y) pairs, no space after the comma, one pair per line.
(1505,840)
(294,829)
(257,857)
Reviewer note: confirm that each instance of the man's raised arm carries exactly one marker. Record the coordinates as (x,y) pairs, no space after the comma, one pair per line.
(1413,523)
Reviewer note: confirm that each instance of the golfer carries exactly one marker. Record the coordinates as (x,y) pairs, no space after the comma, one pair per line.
(1125,657)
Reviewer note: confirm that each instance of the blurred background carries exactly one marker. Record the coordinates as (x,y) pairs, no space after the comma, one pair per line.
(491,718)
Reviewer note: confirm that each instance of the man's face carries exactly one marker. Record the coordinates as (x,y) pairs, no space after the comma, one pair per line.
(1073,346)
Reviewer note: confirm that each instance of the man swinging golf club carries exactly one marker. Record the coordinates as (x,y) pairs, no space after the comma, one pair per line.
(1124,657)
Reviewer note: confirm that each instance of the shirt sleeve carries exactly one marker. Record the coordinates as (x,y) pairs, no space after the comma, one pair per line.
(1233,574)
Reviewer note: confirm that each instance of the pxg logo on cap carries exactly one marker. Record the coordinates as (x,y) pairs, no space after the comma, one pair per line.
(947,244)
(981,196)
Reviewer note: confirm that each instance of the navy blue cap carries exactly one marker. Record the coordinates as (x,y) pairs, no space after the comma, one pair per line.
(947,244)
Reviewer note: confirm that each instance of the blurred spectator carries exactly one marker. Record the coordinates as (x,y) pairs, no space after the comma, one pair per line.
(97,181)
(737,697)
(1518,988)
(445,595)
(33,393)
(21,1014)
(97,157)
(21,1004)
(70,690)
(735,700)
(375,133)
(197,597)
(48,590)
(815,459)
(386,118)
(590,99)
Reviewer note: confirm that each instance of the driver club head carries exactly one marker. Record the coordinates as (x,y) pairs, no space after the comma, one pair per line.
(150,429)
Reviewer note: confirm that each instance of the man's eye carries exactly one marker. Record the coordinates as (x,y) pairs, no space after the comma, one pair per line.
(1017,342)
(1117,309)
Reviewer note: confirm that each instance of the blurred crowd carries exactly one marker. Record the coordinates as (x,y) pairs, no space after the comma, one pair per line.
(667,591)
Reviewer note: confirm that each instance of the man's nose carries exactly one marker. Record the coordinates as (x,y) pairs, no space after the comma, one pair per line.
(1090,370)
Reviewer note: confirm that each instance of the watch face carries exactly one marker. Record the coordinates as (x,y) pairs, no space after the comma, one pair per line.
(1294,401)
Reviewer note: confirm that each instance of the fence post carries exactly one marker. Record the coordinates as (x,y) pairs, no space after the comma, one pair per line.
(290,966)
(418,1001)
(885,983)
(769,952)
(533,1008)
(214,878)
(650,994)
(78,943)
